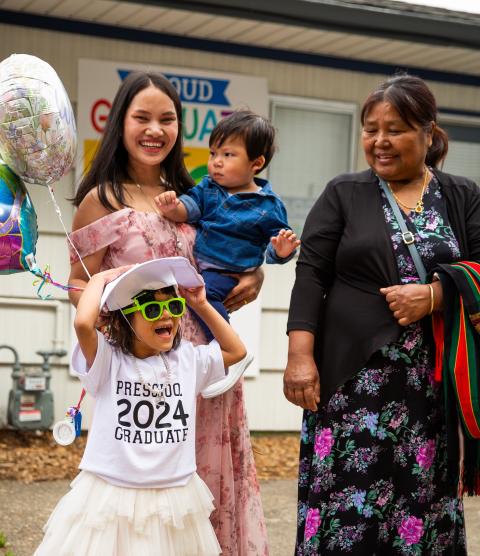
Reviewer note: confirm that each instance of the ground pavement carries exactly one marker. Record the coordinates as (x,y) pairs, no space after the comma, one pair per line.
(24,509)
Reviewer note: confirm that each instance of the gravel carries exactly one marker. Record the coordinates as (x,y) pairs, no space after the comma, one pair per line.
(35,473)
(31,466)
(29,456)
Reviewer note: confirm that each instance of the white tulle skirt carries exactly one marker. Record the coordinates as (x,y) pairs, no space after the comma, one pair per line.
(99,519)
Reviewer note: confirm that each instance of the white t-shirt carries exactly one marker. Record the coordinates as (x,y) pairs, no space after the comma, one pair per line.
(135,440)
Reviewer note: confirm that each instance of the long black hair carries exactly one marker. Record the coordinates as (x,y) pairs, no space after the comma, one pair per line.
(109,169)
(416,105)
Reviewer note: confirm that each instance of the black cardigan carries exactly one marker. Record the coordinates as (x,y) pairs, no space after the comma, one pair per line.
(346,257)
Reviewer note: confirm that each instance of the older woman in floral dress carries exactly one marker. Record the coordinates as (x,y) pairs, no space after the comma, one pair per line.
(373,476)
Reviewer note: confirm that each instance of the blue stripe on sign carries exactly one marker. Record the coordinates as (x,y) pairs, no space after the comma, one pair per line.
(203,90)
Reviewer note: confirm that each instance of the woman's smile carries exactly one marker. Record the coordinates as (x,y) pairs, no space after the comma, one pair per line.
(152,146)
(384,157)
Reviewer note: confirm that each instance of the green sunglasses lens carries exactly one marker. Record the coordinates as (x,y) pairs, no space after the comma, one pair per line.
(153,310)
(175,307)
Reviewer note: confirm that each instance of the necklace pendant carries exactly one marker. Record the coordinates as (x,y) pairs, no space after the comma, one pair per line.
(419,207)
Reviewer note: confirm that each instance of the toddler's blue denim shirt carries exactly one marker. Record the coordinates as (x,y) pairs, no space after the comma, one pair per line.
(234,231)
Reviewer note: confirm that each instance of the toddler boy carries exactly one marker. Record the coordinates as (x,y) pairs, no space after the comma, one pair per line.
(238,216)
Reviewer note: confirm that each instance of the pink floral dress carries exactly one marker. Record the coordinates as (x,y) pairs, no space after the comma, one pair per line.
(224,453)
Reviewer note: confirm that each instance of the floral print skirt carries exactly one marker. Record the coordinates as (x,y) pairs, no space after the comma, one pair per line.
(372,477)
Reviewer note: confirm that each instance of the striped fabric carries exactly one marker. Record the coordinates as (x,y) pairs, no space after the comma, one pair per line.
(461,341)
(457,365)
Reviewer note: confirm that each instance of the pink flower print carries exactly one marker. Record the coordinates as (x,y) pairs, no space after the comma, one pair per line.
(410,344)
(431,223)
(395,423)
(323,443)
(411,530)
(312,523)
(382,500)
(426,454)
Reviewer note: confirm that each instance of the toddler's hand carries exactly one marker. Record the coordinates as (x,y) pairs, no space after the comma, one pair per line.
(195,297)
(167,201)
(285,243)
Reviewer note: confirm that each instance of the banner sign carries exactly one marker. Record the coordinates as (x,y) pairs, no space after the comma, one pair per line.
(206,97)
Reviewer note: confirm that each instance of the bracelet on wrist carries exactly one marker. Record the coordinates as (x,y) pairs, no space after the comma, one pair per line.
(432,299)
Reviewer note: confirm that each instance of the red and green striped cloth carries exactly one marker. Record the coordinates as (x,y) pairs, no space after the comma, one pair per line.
(457,339)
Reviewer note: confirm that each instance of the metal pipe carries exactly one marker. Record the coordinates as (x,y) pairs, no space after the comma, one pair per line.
(16,361)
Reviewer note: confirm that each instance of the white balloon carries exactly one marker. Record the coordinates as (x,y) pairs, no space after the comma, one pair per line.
(38,136)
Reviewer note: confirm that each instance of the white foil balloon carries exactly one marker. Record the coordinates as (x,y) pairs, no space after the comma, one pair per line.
(37,127)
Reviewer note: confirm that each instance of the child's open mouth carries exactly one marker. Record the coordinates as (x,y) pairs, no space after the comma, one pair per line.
(164,330)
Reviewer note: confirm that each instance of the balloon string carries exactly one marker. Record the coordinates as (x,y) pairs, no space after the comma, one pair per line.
(59,214)
(82,395)
(46,278)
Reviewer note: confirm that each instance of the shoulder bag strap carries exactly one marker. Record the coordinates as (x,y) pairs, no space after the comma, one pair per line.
(407,236)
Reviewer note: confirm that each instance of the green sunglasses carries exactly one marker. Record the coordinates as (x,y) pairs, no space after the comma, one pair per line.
(153,310)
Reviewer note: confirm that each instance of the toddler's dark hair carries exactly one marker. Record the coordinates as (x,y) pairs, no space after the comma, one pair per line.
(256,131)
(121,334)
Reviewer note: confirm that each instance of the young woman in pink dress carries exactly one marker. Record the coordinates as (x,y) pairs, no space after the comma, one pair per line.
(117,223)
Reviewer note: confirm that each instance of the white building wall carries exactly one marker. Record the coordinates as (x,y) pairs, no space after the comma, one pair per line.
(46,325)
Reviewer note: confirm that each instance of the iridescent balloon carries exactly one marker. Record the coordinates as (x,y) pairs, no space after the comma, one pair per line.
(18,223)
(38,136)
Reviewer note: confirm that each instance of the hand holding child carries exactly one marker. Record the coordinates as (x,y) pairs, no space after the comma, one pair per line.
(246,291)
(285,243)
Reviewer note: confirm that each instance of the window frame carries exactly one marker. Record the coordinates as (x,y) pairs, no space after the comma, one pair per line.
(461,120)
(322,105)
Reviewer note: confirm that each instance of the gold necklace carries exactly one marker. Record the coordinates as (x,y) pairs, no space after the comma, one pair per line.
(418,208)
(147,198)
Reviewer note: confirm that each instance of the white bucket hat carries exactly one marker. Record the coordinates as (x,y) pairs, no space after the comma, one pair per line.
(152,275)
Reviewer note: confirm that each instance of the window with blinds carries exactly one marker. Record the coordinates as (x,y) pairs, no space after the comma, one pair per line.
(463,158)
(315,142)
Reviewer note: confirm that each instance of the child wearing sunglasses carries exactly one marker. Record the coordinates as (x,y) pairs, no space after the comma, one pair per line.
(138,491)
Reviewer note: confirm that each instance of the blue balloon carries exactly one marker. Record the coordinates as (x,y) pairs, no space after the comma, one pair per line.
(18,223)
